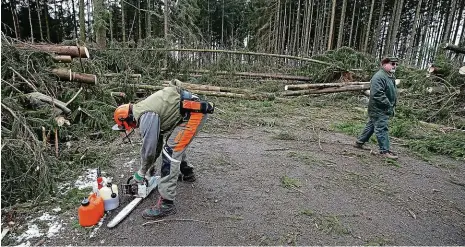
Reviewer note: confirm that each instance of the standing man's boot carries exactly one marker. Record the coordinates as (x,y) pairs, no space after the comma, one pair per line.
(390,155)
(163,208)
(187,172)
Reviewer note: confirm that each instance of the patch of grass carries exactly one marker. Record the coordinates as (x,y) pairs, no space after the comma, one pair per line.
(285,135)
(72,199)
(391,162)
(307,212)
(329,224)
(351,128)
(452,144)
(288,182)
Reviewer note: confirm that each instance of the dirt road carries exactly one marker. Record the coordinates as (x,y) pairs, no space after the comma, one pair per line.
(258,185)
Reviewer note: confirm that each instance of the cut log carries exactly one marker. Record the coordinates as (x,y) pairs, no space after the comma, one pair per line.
(327,90)
(123,75)
(454,48)
(462,70)
(68,75)
(73,51)
(47,99)
(253,74)
(118,94)
(62,59)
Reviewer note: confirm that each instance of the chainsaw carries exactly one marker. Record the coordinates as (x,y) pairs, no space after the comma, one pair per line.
(137,190)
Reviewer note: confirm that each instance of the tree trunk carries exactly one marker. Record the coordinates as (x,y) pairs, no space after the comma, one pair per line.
(40,21)
(459,19)
(317,30)
(148,19)
(378,34)
(222,23)
(15,19)
(74,19)
(357,25)
(368,32)
(123,23)
(283,29)
(166,15)
(30,21)
(297,35)
(82,22)
(352,23)
(110,17)
(46,20)
(139,22)
(340,36)
(449,20)
(99,26)
(309,32)
(331,27)
(395,27)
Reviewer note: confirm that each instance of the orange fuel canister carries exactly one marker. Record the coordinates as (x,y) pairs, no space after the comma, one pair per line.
(91,210)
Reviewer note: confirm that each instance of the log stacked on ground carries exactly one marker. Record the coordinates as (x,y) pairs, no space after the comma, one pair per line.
(68,75)
(73,51)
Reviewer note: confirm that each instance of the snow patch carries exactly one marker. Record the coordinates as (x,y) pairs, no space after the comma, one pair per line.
(57,209)
(33,230)
(100,223)
(87,180)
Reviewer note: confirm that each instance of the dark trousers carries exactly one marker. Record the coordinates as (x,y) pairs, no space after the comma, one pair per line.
(379,126)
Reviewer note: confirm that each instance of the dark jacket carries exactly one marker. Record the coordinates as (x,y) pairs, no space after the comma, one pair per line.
(383,94)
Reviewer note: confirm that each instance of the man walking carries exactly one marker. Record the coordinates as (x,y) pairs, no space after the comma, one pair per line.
(383,99)
(168,121)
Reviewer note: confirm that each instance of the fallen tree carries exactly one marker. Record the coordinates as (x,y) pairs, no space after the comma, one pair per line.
(327,90)
(252,74)
(454,48)
(73,51)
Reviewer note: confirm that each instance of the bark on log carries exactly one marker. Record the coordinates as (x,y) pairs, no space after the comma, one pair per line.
(123,75)
(435,89)
(62,59)
(72,51)
(47,99)
(68,75)
(253,74)
(327,90)
(454,48)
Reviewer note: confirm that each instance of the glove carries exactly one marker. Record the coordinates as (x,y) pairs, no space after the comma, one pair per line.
(138,178)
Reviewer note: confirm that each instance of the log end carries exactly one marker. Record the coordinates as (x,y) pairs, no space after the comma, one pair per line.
(462,70)
(84,52)
(286,88)
(95,79)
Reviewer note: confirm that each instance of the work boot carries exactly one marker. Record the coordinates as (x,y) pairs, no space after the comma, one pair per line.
(187,173)
(163,208)
(390,155)
(359,145)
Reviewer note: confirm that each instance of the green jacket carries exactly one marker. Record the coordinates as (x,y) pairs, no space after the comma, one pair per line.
(166,103)
(383,94)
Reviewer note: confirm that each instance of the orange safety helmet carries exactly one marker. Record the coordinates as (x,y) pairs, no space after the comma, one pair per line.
(124,118)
